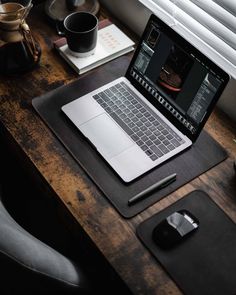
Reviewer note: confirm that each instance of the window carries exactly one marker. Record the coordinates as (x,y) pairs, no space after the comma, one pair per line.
(209,25)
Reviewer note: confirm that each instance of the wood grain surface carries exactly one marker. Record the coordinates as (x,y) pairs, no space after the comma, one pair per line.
(113,235)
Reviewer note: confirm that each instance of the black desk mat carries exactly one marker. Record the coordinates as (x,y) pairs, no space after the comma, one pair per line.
(205,263)
(203,155)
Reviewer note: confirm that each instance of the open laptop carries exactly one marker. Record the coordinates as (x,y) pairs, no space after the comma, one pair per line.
(157,110)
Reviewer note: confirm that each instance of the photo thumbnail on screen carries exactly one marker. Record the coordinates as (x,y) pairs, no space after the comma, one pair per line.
(174,72)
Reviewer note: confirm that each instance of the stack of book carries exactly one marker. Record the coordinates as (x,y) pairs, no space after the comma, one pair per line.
(112,43)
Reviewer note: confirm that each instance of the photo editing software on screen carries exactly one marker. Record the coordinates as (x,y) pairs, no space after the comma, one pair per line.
(177,79)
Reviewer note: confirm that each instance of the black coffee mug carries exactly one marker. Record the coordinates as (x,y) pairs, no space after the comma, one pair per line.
(81,33)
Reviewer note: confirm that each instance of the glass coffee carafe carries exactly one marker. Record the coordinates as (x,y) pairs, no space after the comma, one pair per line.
(19,52)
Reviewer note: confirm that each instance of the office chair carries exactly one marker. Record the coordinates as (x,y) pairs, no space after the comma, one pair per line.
(29,266)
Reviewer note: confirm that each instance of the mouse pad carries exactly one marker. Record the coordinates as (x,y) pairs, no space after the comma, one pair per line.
(205,262)
(203,155)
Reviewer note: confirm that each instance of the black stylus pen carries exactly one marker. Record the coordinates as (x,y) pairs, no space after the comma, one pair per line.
(159,185)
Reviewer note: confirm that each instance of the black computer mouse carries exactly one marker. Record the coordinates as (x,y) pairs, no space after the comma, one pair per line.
(174,229)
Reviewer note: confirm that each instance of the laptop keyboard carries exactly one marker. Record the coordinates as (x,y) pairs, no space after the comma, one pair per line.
(148,130)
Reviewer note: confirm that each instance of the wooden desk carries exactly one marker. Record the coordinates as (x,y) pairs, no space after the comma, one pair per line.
(113,235)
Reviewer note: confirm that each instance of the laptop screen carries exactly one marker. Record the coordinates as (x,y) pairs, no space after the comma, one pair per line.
(175,77)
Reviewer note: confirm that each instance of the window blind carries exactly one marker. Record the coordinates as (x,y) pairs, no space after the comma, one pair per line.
(210,25)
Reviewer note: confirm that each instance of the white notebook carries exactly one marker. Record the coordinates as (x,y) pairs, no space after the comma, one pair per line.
(112,42)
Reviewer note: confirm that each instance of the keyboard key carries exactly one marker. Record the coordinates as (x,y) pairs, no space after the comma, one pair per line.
(130,115)
(113,89)
(108,110)
(140,133)
(123,116)
(152,128)
(103,104)
(144,138)
(139,115)
(156,123)
(148,124)
(148,132)
(161,137)
(163,148)
(157,133)
(178,137)
(157,142)
(148,152)
(152,137)
(134,101)
(127,111)
(151,119)
(144,147)
(169,136)
(147,114)
(156,150)
(127,120)
(122,90)
(114,108)
(104,96)
(171,147)
(118,94)
(108,92)
(175,135)
(166,142)
(140,142)
(175,142)
(135,137)
(143,119)
(148,142)
(131,106)
(142,110)
(118,102)
(139,124)
(164,132)
(143,128)
(129,97)
(131,125)
(153,157)
(122,99)
(110,103)
(126,102)
(135,129)
(138,106)
(96,96)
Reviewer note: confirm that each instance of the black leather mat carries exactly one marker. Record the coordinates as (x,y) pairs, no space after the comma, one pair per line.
(205,263)
(204,154)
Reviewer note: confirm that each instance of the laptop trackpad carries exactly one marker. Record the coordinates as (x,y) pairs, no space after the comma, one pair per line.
(109,139)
